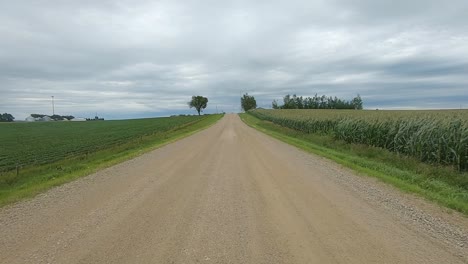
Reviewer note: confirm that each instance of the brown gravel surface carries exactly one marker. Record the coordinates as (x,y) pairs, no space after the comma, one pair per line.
(229,194)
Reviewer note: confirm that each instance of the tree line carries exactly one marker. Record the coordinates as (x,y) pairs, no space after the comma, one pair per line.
(248,102)
(318,102)
(54,117)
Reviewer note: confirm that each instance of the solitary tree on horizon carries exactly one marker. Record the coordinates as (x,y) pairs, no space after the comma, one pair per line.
(248,102)
(199,102)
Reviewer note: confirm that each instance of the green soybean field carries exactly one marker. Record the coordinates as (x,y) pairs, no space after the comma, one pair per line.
(37,143)
(434,136)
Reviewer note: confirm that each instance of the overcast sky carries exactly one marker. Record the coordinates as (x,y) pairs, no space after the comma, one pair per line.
(126,59)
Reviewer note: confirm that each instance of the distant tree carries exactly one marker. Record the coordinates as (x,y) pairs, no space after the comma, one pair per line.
(37,115)
(274,104)
(289,103)
(298,101)
(57,117)
(286,102)
(5,117)
(199,102)
(248,102)
(357,102)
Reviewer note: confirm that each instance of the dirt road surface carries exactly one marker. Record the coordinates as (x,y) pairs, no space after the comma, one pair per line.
(229,194)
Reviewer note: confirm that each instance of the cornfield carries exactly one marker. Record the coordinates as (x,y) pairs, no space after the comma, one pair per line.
(436,137)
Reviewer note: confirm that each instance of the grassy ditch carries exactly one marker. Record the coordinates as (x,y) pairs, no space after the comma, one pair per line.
(31,180)
(442,184)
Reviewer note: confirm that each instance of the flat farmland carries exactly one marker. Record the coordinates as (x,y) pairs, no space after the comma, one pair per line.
(26,144)
(37,156)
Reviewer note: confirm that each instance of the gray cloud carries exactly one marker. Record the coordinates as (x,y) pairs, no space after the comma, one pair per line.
(146,58)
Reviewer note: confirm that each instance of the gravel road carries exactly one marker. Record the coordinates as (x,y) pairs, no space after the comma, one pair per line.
(229,194)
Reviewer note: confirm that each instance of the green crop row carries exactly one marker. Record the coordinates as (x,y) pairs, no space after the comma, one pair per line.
(27,144)
(438,137)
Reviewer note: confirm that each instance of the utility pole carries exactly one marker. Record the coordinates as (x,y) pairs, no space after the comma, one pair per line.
(53,105)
